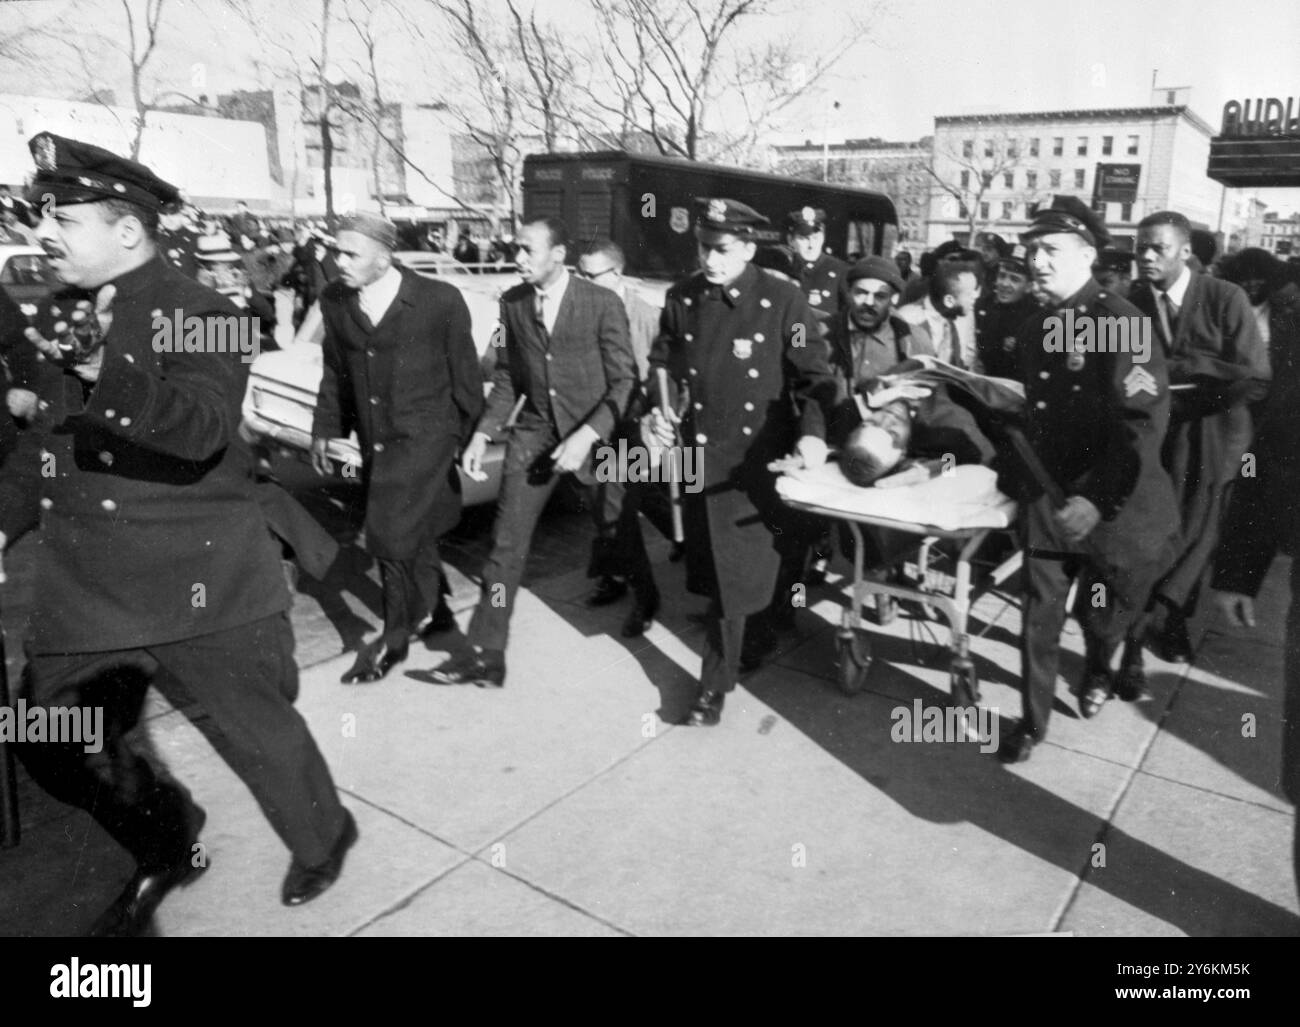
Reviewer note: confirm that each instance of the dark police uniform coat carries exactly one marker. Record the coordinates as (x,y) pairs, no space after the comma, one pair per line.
(758,378)
(150,530)
(411,387)
(1097,421)
(996,325)
(179,248)
(823,282)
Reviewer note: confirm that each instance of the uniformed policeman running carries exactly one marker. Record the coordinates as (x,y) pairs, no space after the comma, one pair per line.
(1096,421)
(745,346)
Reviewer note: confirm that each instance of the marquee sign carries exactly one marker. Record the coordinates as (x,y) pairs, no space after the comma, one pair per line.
(1258,144)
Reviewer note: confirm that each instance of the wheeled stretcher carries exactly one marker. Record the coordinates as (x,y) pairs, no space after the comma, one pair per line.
(962,506)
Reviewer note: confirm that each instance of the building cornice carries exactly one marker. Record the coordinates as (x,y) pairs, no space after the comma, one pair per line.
(1096,114)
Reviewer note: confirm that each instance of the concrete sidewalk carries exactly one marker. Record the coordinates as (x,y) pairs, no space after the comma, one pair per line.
(566,805)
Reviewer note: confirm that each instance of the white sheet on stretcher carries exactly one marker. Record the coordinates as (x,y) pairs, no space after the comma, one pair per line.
(967,498)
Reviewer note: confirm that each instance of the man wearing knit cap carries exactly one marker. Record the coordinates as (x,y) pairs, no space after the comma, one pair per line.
(155,565)
(868,338)
(400,367)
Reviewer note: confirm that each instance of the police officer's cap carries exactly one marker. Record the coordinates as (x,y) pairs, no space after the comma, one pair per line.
(70,171)
(880,268)
(1115,260)
(720,216)
(1069,215)
(1016,259)
(805,221)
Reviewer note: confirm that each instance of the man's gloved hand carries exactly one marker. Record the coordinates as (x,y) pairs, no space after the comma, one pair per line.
(23,403)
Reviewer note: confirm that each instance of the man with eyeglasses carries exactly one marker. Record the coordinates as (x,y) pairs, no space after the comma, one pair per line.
(625,562)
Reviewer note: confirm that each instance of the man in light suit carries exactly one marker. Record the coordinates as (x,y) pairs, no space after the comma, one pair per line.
(401,368)
(562,382)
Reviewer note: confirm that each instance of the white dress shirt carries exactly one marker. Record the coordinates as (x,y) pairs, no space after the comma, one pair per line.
(378,296)
(1178,290)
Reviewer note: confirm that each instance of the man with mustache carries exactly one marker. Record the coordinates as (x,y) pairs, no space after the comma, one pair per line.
(155,565)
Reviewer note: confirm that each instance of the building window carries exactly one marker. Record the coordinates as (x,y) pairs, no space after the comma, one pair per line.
(1082,149)
(1031,209)
(1126,212)
(1013,149)
(1132,145)
(968,147)
(1078,178)
(965,179)
(1107,144)
(1033,147)
(984,211)
(988,148)
(1009,179)
(1054,178)
(1006,210)
(1031,179)
(962,209)
(1058,146)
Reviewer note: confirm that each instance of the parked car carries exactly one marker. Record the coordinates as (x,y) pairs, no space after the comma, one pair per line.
(25,273)
(281,397)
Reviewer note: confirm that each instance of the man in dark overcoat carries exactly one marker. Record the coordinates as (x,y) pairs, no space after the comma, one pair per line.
(1218,365)
(155,566)
(745,346)
(401,369)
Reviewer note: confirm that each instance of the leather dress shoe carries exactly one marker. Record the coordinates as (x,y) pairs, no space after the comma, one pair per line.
(131,912)
(1096,689)
(466,669)
(441,621)
(374,661)
(302,883)
(707,710)
(1017,746)
(1131,683)
(1172,643)
(640,618)
(608,590)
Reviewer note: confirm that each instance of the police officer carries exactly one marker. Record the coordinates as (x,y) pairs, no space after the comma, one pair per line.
(1114,271)
(742,348)
(155,564)
(999,316)
(820,276)
(1105,510)
(178,241)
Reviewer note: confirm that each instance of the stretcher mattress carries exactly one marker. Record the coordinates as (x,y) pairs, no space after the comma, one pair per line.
(966,498)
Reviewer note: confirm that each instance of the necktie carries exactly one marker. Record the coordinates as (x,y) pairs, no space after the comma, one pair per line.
(1168,318)
(541,311)
(951,345)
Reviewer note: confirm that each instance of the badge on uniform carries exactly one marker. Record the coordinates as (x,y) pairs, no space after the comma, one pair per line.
(679,219)
(815,297)
(1009,343)
(742,349)
(1138,380)
(1074,361)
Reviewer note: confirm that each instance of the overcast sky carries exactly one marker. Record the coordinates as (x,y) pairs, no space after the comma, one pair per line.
(921,59)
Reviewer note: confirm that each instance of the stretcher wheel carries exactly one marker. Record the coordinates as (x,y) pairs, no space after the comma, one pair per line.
(963,682)
(853,651)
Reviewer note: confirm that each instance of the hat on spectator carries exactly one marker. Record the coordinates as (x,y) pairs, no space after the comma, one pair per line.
(373,226)
(880,268)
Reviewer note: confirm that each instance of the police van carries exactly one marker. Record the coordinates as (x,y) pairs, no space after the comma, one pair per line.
(646,205)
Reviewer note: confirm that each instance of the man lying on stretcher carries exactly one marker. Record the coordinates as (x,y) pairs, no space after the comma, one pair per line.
(922,417)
